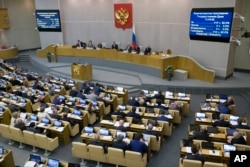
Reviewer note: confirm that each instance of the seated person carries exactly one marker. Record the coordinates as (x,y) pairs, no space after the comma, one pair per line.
(138,145)
(221,122)
(230,101)
(121,126)
(55,113)
(19,123)
(150,131)
(67,119)
(86,89)
(80,44)
(119,143)
(37,86)
(159,104)
(129,48)
(138,49)
(136,117)
(201,135)
(240,126)
(57,100)
(96,141)
(98,89)
(99,45)
(81,95)
(73,92)
(237,138)
(147,50)
(119,112)
(133,101)
(91,109)
(30,97)
(114,46)
(195,155)
(162,116)
(90,44)
(92,96)
(32,128)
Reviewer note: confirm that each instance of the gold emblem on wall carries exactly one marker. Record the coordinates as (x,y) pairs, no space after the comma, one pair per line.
(122,16)
(76,70)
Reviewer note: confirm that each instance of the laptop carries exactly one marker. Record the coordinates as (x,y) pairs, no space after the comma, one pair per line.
(1,150)
(121,133)
(35,158)
(230,132)
(6,95)
(22,100)
(33,117)
(82,101)
(53,162)
(57,87)
(57,123)
(72,99)
(88,129)
(211,129)
(200,115)
(104,132)
(207,145)
(77,112)
(233,118)
(228,148)
(14,98)
(45,121)
(94,103)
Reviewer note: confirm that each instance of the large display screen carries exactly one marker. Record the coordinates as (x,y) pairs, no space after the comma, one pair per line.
(211,24)
(48,20)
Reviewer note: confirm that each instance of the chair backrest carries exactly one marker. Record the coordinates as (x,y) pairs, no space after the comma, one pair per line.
(29,137)
(132,155)
(116,156)
(42,140)
(191,163)
(154,143)
(16,132)
(167,128)
(213,164)
(80,150)
(242,147)
(96,153)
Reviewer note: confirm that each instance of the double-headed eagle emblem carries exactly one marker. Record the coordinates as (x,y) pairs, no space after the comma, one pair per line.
(122,16)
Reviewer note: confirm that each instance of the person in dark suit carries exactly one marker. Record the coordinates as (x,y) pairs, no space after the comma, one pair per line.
(121,126)
(57,100)
(129,48)
(162,116)
(195,155)
(138,145)
(119,113)
(37,86)
(138,49)
(73,92)
(147,50)
(98,89)
(159,95)
(133,101)
(67,119)
(114,46)
(30,97)
(159,104)
(132,113)
(86,88)
(80,44)
(221,122)
(230,101)
(32,128)
(81,95)
(150,131)
(96,141)
(55,113)
(201,135)
(20,124)
(119,143)
(240,126)
(237,138)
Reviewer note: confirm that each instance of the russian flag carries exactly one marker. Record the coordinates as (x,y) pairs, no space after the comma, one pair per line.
(133,38)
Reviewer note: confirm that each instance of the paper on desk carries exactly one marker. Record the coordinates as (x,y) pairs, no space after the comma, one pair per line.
(107,137)
(60,129)
(188,150)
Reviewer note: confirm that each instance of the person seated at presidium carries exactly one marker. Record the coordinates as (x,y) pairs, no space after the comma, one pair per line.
(138,49)
(114,46)
(147,50)
(80,44)
(195,155)
(237,138)
(90,44)
(99,45)
(129,48)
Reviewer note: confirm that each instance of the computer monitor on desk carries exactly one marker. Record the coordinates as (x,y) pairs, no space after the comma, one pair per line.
(35,158)
(88,129)
(1,150)
(53,162)
(121,133)
(104,132)
(200,115)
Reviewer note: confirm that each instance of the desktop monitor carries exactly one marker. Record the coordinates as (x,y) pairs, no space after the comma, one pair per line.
(145,91)
(57,123)
(7,95)
(121,133)
(56,78)
(1,150)
(194,127)
(57,87)
(41,93)
(33,117)
(88,129)
(14,98)
(122,107)
(153,122)
(228,148)
(230,132)
(200,115)
(1,109)
(104,132)
(71,81)
(77,112)
(61,97)
(22,100)
(42,84)
(63,80)
(45,120)
(33,91)
(233,118)
(82,101)
(94,103)
(53,162)
(35,158)
(72,99)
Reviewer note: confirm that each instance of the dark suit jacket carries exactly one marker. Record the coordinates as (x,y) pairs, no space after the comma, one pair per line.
(121,128)
(240,140)
(138,146)
(133,102)
(33,130)
(120,144)
(80,95)
(121,114)
(114,46)
(147,50)
(221,123)
(138,49)
(73,93)
(151,132)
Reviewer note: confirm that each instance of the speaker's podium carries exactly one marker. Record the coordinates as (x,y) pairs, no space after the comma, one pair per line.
(81,71)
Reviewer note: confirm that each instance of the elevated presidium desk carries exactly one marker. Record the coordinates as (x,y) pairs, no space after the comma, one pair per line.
(158,62)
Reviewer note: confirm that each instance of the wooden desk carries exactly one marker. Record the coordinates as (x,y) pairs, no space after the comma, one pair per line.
(123,95)
(62,133)
(8,53)
(7,159)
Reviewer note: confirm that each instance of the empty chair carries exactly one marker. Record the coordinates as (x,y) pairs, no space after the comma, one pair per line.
(154,143)
(80,150)
(96,153)
(107,109)
(167,128)
(135,159)
(5,132)
(91,117)
(29,138)
(176,116)
(116,156)
(17,135)
(191,163)
(72,130)
(119,101)
(48,144)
